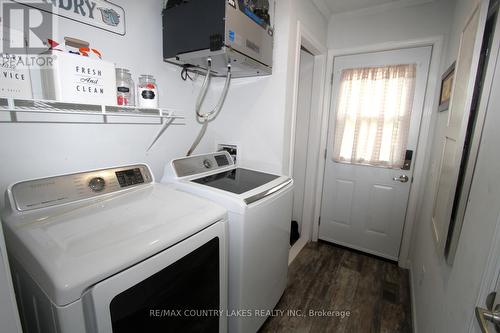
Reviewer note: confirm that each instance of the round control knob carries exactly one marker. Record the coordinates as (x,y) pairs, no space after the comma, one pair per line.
(207,164)
(97,184)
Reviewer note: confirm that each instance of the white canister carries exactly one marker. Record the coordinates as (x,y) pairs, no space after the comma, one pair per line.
(147,92)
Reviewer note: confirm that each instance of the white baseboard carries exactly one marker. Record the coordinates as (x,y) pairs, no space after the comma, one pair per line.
(296,248)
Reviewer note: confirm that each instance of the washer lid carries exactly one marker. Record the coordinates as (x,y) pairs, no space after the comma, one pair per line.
(68,250)
(237,180)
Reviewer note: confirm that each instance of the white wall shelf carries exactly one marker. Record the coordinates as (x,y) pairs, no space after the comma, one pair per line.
(164,117)
(63,108)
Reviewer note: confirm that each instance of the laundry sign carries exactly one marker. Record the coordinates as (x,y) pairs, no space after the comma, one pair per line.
(98,13)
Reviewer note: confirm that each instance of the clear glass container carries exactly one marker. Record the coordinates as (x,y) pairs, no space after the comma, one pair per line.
(125,87)
(147,92)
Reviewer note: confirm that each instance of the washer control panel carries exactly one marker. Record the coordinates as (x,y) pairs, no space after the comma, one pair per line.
(193,165)
(51,191)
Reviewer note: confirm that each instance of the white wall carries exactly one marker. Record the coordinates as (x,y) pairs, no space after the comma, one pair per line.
(257,112)
(353,30)
(445,295)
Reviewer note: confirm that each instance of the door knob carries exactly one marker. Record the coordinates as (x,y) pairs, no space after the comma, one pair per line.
(484,315)
(402,179)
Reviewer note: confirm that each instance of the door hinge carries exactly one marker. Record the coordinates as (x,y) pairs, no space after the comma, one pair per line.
(325,154)
(331,80)
(319,220)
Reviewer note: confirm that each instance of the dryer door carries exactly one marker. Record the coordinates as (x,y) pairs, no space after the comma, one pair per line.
(182,289)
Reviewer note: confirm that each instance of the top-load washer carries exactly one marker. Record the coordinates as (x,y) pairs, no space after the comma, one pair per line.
(259,207)
(112,251)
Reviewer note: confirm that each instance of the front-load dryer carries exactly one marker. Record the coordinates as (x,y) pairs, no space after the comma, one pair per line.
(112,251)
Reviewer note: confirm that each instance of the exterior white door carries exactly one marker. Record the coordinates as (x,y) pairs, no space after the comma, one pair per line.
(364,201)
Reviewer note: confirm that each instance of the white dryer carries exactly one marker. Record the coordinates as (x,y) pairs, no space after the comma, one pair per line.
(111,251)
(260,207)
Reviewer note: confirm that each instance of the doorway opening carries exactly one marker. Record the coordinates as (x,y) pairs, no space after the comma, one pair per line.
(302,120)
(307,99)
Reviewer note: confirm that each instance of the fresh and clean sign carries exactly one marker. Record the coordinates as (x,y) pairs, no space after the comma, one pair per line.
(76,79)
(88,80)
(98,13)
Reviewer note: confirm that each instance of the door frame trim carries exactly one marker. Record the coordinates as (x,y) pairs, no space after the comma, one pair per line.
(426,125)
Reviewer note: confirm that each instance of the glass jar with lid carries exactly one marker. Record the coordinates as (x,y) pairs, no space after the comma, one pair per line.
(147,92)
(124,87)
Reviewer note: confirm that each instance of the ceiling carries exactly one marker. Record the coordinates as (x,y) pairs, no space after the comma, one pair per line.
(342,6)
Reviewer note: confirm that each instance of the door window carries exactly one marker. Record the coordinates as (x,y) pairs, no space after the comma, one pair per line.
(373,115)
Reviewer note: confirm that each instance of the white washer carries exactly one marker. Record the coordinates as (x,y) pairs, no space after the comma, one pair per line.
(260,208)
(111,251)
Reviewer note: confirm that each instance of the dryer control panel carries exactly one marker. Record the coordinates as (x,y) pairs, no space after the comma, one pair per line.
(51,191)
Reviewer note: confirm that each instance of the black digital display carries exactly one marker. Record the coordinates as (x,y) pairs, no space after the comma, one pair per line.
(221,160)
(129,177)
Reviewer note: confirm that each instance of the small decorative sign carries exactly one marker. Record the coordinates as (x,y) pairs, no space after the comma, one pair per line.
(15,80)
(98,13)
(78,79)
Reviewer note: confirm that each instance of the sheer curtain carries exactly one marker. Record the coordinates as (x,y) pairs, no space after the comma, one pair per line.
(373,115)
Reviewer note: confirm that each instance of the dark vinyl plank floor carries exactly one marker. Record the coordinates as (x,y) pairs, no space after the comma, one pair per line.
(362,293)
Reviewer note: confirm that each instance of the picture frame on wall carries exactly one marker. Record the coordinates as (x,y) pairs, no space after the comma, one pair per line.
(446,88)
